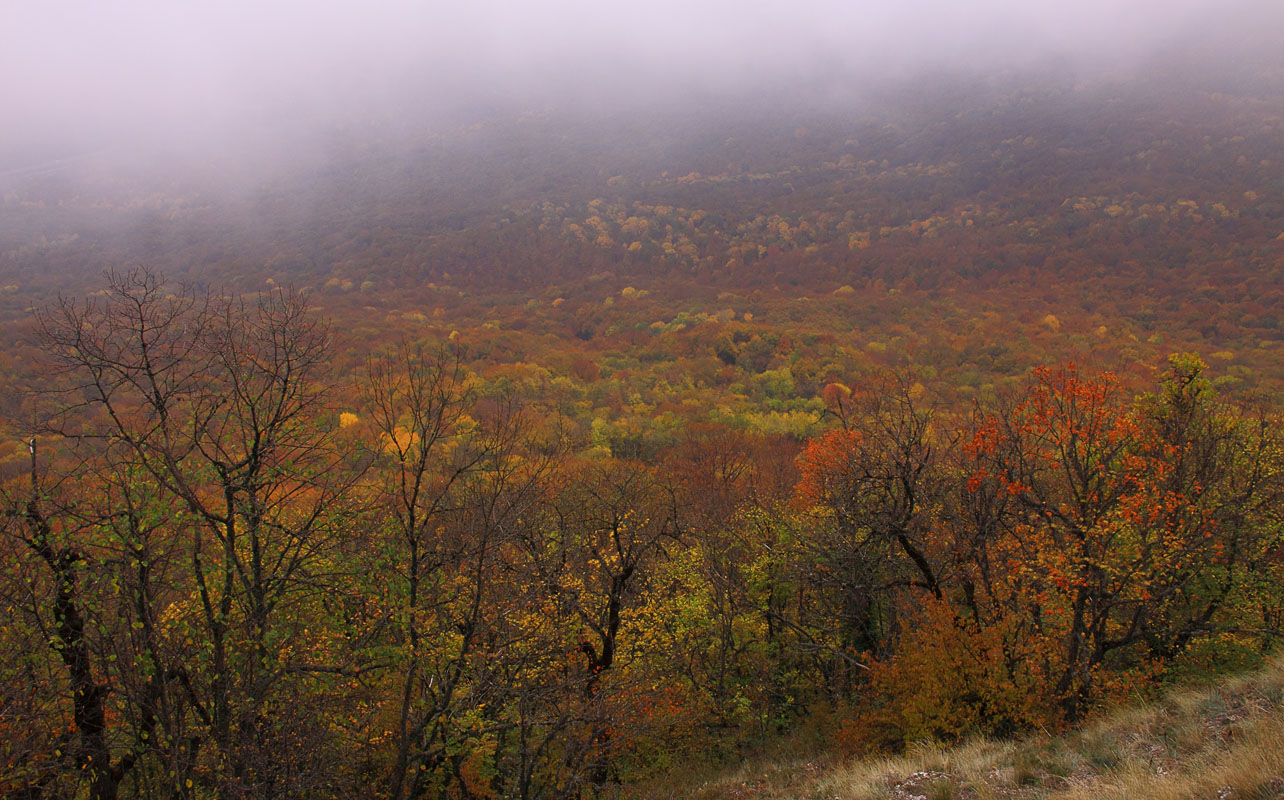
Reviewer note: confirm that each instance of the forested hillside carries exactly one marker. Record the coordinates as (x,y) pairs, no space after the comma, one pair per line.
(547,454)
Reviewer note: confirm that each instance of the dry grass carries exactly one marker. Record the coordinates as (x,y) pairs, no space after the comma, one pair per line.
(1222,743)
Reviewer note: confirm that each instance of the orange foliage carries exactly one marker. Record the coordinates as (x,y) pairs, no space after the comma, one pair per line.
(951,678)
(823,465)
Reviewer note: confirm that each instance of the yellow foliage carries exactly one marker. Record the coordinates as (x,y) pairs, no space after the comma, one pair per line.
(401,440)
(347,419)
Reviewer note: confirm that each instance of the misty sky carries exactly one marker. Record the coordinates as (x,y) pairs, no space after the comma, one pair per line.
(86,72)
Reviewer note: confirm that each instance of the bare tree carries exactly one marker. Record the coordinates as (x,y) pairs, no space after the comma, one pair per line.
(458,476)
(219,404)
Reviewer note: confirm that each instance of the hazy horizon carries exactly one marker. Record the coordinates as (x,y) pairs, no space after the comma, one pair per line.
(74,76)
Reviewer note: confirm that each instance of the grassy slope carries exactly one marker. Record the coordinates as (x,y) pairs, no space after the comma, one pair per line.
(1222,742)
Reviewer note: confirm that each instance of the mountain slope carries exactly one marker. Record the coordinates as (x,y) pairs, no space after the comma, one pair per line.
(1225,741)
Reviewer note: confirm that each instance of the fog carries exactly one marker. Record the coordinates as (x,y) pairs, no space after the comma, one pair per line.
(199,79)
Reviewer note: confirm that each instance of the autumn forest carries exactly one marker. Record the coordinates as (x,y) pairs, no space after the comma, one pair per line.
(547,456)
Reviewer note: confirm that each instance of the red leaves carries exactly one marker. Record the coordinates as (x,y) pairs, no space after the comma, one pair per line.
(824,465)
(1100,526)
